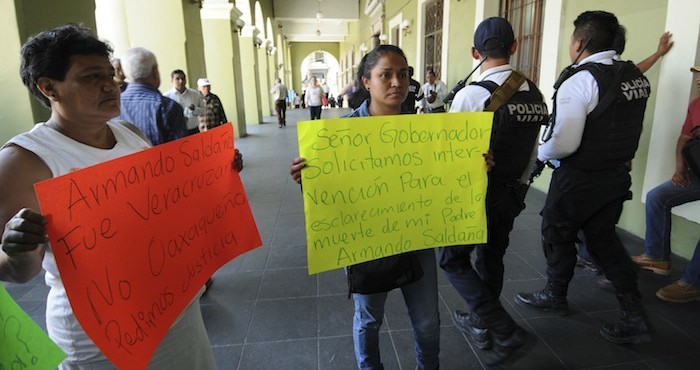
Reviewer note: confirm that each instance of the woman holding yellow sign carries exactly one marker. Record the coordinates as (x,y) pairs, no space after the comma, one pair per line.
(384,74)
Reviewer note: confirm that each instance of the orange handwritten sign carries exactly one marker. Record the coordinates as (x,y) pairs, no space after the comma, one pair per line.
(136,238)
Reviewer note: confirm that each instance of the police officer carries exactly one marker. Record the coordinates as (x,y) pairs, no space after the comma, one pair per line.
(513,145)
(598,112)
(415,93)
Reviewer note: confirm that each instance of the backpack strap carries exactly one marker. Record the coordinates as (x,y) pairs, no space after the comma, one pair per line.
(504,92)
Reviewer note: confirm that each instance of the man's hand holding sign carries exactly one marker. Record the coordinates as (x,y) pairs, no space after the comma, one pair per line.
(380,186)
(136,238)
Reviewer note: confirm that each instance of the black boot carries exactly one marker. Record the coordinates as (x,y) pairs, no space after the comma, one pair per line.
(633,326)
(508,345)
(551,299)
(471,325)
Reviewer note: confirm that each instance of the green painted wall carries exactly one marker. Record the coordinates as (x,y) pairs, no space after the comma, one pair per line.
(359,32)
(266,105)
(224,70)
(34,16)
(16,110)
(166,38)
(407,10)
(460,40)
(300,50)
(249,65)
(264,79)
(194,45)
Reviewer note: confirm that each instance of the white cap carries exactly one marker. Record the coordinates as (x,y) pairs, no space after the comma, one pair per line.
(203,82)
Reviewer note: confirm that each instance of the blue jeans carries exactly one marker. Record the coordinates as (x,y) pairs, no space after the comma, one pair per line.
(421,299)
(660,200)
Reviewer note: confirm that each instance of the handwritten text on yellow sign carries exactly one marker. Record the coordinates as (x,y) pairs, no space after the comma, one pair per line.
(379,186)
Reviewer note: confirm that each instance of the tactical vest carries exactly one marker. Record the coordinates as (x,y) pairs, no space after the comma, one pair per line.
(516,125)
(409,104)
(611,135)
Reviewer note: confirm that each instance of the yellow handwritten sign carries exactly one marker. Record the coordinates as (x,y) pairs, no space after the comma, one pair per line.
(379,186)
(23,344)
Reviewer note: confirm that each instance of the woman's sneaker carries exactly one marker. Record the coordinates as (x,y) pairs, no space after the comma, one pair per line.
(658,267)
(679,292)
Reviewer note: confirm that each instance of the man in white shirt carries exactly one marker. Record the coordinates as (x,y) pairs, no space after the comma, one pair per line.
(513,142)
(597,121)
(190,100)
(279,95)
(434,91)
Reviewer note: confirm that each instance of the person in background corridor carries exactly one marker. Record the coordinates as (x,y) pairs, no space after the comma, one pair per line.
(313,99)
(433,93)
(279,95)
(160,118)
(215,114)
(119,77)
(190,100)
(415,94)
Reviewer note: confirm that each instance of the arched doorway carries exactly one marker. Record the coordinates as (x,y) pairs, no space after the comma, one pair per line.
(325,67)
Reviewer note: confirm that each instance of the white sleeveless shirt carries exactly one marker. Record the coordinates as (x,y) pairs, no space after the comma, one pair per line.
(186,345)
(63,155)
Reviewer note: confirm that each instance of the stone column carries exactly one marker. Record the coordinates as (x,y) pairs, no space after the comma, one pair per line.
(251,81)
(222,55)
(264,78)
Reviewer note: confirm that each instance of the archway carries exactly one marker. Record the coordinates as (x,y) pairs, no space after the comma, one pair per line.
(325,67)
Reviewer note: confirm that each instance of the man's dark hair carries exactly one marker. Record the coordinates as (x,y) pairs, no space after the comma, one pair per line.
(494,49)
(620,40)
(599,29)
(371,59)
(49,54)
(410,71)
(177,72)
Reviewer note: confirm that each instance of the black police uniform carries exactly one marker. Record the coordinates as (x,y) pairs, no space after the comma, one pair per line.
(587,191)
(514,135)
(409,104)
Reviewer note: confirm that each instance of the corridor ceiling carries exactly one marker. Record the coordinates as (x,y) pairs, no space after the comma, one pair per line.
(297,19)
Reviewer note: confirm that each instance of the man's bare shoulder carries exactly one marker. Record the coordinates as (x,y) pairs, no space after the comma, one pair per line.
(21,165)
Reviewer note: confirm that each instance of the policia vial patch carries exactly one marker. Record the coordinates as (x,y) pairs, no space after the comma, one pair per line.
(528,112)
(638,88)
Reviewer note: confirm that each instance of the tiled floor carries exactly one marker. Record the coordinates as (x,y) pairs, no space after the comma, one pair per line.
(265,312)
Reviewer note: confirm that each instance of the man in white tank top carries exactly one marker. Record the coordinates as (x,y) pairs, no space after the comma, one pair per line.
(83,98)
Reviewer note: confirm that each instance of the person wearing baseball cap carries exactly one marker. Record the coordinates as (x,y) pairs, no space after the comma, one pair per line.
(214,115)
(488,324)
(203,82)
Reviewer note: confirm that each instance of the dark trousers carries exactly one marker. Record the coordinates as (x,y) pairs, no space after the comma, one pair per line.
(315,112)
(438,110)
(481,285)
(281,109)
(590,201)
